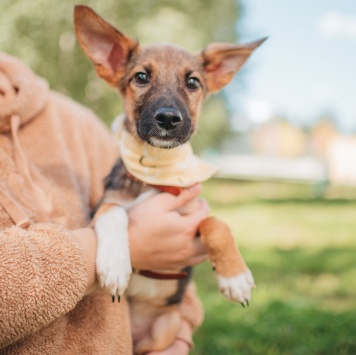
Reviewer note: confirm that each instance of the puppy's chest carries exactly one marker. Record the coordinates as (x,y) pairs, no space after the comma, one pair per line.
(128,193)
(142,288)
(146,289)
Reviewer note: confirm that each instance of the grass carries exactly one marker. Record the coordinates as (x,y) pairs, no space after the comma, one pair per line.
(302,251)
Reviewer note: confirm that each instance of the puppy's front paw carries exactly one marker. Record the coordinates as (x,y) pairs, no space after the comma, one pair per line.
(113,270)
(113,263)
(237,288)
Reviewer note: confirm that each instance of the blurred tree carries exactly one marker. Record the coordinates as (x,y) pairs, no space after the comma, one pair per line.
(40,32)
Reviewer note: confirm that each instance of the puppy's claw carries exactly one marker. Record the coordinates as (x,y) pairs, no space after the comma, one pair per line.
(237,288)
(246,303)
(113,270)
(113,299)
(118,299)
(213,268)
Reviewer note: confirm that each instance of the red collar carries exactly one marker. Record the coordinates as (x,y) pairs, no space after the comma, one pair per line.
(162,275)
(174,190)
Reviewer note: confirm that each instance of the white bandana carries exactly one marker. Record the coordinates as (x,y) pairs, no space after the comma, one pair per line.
(157,166)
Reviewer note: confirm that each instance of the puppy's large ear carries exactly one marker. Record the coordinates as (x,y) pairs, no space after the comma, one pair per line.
(109,49)
(222,60)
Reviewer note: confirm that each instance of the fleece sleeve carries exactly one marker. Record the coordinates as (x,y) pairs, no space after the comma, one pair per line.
(43,274)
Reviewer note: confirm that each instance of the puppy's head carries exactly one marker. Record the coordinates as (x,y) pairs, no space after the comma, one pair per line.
(163,86)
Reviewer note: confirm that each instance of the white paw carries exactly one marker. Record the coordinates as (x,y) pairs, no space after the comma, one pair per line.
(113,264)
(237,288)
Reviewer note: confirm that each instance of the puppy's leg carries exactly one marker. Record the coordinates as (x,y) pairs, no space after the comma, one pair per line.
(163,332)
(235,280)
(113,263)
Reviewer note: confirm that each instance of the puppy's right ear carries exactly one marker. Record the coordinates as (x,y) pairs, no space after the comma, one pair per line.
(109,49)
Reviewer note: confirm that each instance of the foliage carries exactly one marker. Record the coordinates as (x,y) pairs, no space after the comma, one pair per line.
(41,33)
(301,251)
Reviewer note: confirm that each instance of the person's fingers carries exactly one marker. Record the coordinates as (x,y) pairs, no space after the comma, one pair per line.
(198,248)
(174,202)
(195,260)
(199,253)
(195,218)
(192,252)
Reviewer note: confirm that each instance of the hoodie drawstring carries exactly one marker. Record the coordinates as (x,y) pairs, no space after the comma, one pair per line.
(14,210)
(38,198)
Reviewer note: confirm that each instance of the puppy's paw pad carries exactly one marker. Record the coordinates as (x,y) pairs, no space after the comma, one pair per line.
(237,288)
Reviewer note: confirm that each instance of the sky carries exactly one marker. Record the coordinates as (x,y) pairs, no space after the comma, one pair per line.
(306,68)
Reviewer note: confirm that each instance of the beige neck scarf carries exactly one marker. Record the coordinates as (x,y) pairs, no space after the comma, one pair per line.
(156,166)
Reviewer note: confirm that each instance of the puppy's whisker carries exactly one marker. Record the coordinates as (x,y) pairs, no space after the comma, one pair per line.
(145,131)
(199,139)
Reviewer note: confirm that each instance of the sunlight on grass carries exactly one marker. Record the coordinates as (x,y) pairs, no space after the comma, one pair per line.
(302,253)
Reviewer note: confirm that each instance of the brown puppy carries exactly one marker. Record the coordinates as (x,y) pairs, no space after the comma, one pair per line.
(163,87)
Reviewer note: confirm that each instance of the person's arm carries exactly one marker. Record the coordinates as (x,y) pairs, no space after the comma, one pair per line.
(46,270)
(43,274)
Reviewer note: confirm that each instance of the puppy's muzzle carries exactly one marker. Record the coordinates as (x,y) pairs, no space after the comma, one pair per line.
(168,118)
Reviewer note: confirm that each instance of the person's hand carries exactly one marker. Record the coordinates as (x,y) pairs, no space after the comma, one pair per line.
(161,238)
(178,347)
(181,345)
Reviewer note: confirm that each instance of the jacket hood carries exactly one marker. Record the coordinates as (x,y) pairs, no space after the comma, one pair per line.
(22,93)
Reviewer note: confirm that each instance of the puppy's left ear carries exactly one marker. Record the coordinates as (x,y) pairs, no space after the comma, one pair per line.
(109,49)
(222,60)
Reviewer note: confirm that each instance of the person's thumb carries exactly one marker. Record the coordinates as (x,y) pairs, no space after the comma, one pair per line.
(172,202)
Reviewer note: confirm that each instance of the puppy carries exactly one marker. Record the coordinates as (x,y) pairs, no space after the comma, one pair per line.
(163,87)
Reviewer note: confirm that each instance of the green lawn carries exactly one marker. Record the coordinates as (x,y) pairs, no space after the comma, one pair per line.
(302,252)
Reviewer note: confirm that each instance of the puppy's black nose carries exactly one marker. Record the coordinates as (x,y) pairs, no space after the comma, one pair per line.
(168,118)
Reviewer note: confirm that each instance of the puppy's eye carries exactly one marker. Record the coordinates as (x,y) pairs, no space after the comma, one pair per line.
(141,78)
(193,83)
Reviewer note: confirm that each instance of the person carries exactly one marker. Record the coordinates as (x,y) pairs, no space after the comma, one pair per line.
(54,154)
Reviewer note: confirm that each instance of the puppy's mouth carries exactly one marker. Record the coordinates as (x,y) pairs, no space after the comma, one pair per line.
(166,128)
(164,143)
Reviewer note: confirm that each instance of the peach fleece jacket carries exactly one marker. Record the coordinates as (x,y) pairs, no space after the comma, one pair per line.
(54,154)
